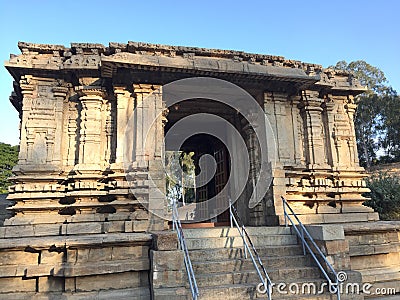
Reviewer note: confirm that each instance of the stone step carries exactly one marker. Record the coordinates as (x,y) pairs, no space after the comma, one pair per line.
(246,291)
(390,287)
(251,276)
(235,242)
(234,265)
(381,274)
(235,253)
(194,233)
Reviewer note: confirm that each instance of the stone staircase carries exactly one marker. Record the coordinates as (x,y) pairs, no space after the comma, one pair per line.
(222,271)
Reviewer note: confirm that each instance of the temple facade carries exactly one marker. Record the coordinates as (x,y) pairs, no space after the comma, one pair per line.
(75,104)
(85,215)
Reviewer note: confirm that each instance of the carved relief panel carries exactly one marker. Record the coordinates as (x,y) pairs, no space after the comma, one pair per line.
(42,121)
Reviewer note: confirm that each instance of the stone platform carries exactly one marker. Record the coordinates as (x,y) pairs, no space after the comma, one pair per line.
(93,266)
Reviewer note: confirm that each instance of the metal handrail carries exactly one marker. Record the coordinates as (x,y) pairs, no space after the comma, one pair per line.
(234,218)
(176,225)
(305,243)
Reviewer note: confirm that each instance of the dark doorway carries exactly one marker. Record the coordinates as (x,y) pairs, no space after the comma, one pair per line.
(201,144)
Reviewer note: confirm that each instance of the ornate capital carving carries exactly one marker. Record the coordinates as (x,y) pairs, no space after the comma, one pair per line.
(91,92)
(60,91)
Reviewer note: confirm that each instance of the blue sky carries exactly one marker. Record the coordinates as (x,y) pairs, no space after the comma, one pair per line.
(322,32)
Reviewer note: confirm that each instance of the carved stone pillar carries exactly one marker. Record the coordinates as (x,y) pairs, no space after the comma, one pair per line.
(257,213)
(91,99)
(284,127)
(298,137)
(26,141)
(72,133)
(148,122)
(160,115)
(314,130)
(329,108)
(109,156)
(351,109)
(60,96)
(124,111)
(340,113)
(141,92)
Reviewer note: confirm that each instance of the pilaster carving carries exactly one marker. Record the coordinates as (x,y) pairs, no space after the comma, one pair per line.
(298,134)
(42,122)
(92,99)
(148,121)
(314,130)
(284,127)
(124,109)
(351,109)
(340,111)
(72,133)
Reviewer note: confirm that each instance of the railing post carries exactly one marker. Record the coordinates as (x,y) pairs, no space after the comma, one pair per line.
(284,212)
(303,240)
(230,212)
(176,225)
(173,215)
(244,244)
(269,291)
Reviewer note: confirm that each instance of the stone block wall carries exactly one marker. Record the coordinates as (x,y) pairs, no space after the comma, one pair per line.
(374,251)
(168,275)
(91,266)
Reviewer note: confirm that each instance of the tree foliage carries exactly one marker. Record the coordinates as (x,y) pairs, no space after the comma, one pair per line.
(8,159)
(377,123)
(384,195)
(180,183)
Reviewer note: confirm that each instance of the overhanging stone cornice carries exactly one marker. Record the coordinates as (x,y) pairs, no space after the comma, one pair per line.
(96,60)
(201,65)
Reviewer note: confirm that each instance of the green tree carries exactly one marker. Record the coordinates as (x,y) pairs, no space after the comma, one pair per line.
(384,195)
(188,174)
(390,126)
(180,169)
(376,120)
(8,159)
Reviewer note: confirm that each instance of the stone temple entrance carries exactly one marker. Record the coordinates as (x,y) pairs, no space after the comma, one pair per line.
(211,180)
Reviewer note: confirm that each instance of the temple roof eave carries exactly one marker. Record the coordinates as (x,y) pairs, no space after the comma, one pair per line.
(96,60)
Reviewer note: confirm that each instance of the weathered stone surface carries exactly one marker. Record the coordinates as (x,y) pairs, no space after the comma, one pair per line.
(15,284)
(50,284)
(114,281)
(132,252)
(163,241)
(47,257)
(167,260)
(18,257)
(171,293)
(326,232)
(167,279)
(77,241)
